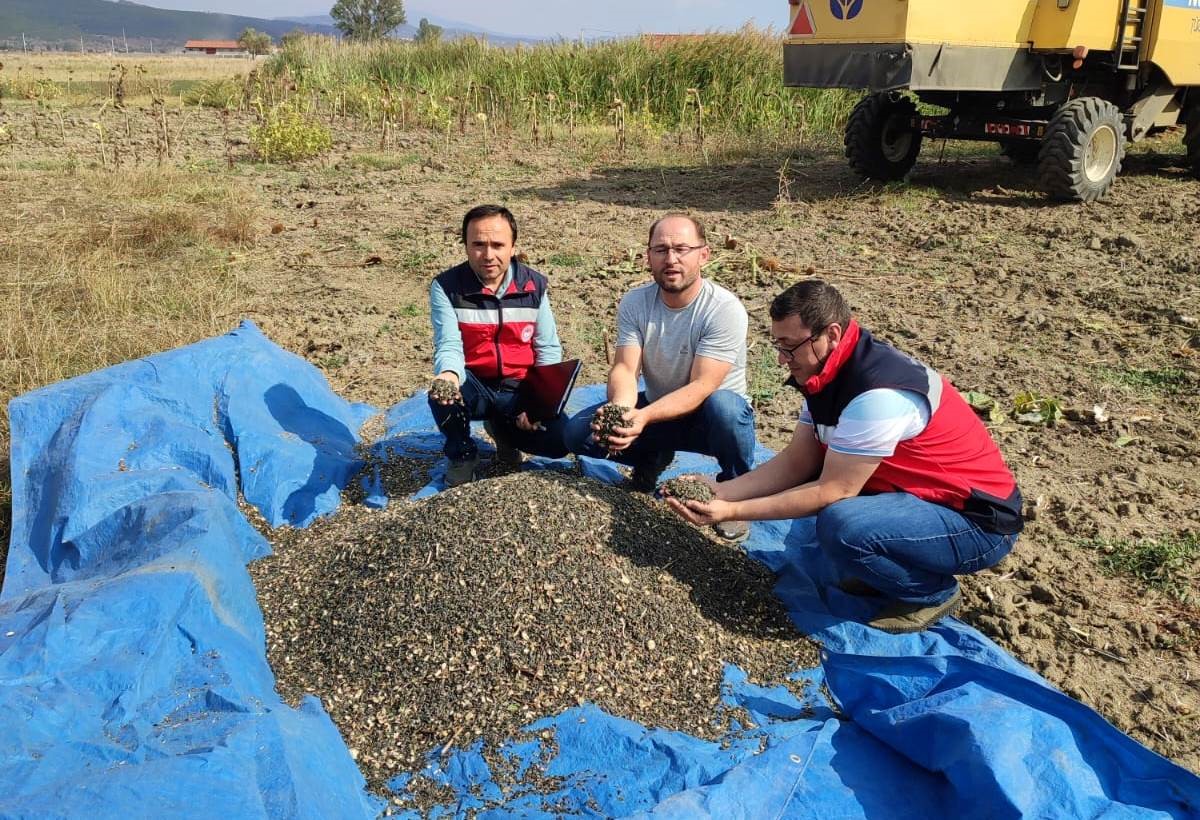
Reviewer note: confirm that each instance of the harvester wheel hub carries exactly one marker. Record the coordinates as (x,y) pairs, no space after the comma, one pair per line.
(896,139)
(1101,153)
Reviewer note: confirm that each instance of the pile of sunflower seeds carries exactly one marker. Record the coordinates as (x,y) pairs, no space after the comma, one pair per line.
(469,614)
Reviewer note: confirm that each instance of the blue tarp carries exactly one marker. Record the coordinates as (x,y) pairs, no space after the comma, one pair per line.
(134,682)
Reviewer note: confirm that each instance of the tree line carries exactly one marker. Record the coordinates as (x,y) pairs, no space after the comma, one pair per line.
(358,20)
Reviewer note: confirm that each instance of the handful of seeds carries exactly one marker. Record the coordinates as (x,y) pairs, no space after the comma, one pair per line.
(686,488)
(608,418)
(444,390)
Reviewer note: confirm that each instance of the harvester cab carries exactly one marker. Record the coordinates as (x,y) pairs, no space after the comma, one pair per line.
(1063,84)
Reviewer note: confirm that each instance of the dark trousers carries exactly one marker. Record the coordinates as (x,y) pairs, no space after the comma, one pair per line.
(721,427)
(498,404)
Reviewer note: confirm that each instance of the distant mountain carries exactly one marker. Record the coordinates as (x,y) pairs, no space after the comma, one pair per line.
(452,29)
(65,20)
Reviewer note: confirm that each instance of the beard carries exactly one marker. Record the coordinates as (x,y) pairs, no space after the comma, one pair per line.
(683,283)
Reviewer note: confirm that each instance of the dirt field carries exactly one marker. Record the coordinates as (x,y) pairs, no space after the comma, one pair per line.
(1094,309)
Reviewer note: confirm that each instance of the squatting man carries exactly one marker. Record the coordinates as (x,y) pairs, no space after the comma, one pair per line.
(492,322)
(686,337)
(907,485)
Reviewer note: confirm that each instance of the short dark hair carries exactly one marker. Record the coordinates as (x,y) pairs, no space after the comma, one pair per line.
(485,211)
(817,303)
(688,217)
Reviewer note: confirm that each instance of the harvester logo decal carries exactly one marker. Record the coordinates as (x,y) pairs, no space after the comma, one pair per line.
(846,9)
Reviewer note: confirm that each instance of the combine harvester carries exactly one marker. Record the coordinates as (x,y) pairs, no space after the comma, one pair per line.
(1065,84)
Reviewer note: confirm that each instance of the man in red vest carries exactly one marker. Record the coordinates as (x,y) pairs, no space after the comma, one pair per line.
(908,487)
(491,323)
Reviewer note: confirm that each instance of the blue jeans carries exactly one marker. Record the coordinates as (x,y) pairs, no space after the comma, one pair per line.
(501,406)
(721,427)
(908,549)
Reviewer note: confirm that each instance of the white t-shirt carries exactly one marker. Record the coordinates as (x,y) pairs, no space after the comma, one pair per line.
(713,325)
(874,422)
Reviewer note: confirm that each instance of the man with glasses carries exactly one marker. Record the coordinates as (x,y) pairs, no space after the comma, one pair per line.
(907,485)
(686,336)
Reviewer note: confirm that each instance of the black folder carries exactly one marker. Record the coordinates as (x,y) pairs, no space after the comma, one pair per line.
(546,388)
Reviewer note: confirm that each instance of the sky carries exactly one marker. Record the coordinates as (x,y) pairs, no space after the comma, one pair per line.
(540,18)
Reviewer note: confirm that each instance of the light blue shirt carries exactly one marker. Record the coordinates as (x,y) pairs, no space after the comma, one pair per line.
(874,422)
(447,339)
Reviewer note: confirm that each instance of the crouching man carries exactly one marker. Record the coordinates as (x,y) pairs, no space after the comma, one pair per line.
(686,336)
(908,487)
(491,323)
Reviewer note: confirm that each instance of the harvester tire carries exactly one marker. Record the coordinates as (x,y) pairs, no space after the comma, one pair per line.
(1021,153)
(881,141)
(1191,137)
(1083,149)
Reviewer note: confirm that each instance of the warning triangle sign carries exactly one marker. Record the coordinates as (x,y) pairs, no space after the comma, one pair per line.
(802,26)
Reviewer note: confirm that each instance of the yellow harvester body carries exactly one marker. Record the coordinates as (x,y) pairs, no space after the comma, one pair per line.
(1170,31)
(1065,83)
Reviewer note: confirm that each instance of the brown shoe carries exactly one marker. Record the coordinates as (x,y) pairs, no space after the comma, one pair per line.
(902,618)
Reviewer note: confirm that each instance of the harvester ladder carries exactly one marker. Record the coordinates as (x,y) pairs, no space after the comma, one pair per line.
(1130,34)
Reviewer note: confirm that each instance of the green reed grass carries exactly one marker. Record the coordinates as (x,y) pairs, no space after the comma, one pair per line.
(720,83)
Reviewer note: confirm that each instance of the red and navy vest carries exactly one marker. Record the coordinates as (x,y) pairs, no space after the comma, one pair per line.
(497,330)
(953,461)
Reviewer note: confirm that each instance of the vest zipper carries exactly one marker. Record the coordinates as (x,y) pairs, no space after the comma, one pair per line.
(496,338)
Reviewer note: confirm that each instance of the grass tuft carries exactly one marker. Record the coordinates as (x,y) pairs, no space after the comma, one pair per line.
(1165,380)
(1167,564)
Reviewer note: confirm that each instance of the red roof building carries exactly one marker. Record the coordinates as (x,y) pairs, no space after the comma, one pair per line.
(213,46)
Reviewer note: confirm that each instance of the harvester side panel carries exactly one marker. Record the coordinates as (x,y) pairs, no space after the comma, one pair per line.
(1090,23)
(922,45)
(919,67)
(1175,40)
(993,23)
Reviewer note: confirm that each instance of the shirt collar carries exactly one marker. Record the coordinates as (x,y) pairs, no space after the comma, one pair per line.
(505,283)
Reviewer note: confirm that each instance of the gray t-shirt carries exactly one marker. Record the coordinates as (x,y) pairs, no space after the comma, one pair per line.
(713,325)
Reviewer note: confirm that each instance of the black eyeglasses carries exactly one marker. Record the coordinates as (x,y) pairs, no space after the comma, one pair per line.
(663,251)
(789,353)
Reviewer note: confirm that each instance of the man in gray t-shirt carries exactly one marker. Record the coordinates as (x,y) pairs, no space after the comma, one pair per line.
(686,336)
